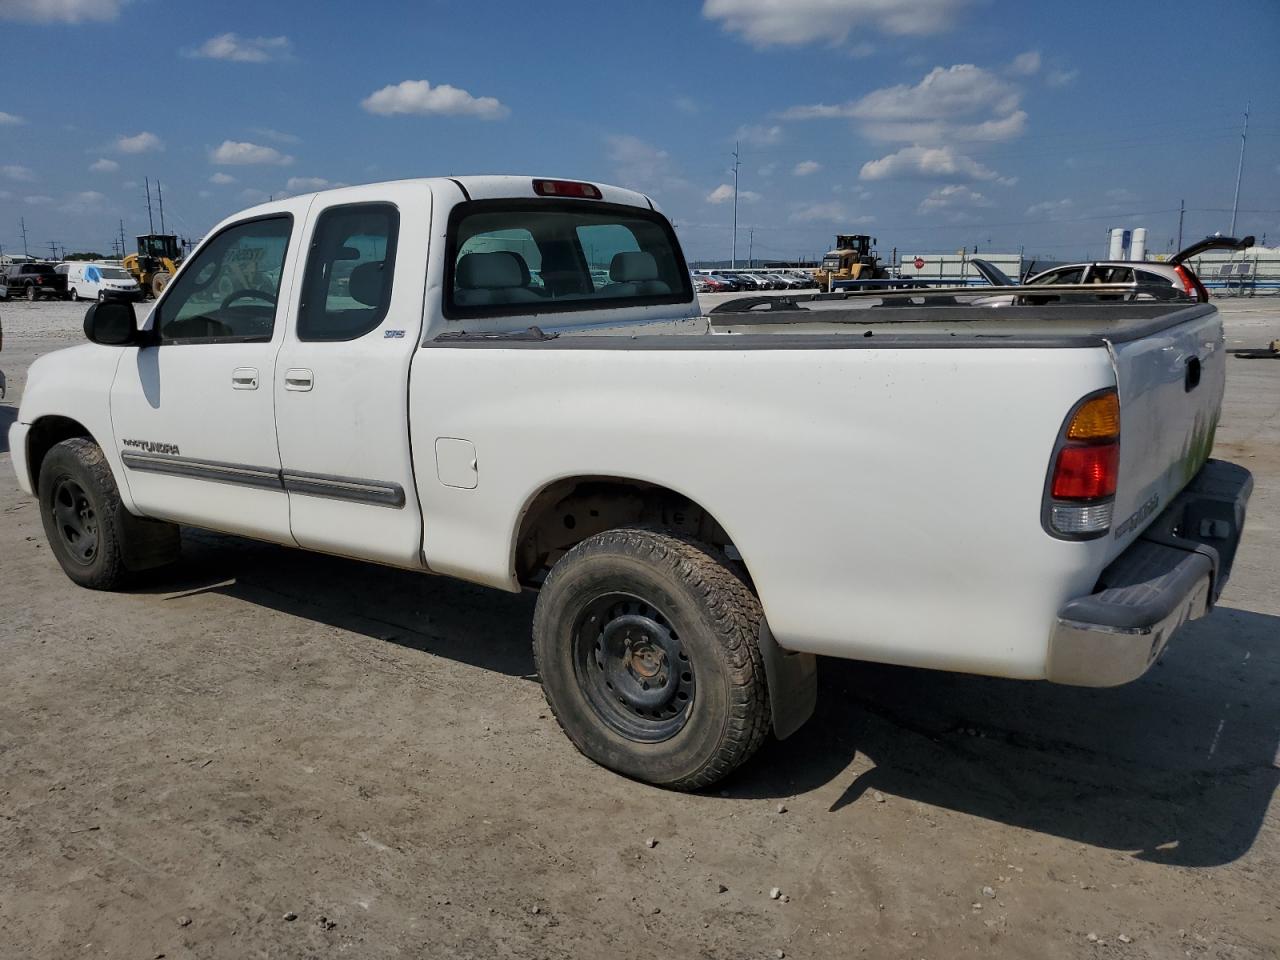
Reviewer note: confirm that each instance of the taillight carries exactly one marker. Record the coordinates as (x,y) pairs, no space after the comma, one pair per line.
(566,188)
(1191,284)
(1086,469)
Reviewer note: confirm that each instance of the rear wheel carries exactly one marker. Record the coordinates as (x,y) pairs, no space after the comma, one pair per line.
(73,295)
(646,643)
(32,293)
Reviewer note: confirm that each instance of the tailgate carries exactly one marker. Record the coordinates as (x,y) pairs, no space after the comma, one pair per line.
(1171,386)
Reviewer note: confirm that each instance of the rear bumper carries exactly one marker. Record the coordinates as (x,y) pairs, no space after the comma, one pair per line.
(1171,574)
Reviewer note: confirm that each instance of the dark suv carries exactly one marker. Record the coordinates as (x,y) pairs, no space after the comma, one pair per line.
(34,280)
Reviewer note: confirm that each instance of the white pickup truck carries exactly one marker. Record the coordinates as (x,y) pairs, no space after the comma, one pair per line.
(509,381)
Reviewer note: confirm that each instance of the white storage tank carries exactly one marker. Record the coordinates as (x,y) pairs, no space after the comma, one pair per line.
(1139,250)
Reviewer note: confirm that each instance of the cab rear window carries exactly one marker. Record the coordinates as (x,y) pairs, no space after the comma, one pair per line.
(512,257)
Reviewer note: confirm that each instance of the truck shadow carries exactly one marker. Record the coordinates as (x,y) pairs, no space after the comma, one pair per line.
(1179,767)
(8,415)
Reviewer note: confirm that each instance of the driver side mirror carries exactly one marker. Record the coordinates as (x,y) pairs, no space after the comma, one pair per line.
(112,323)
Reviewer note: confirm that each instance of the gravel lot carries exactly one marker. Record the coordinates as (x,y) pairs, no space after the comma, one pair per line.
(263,734)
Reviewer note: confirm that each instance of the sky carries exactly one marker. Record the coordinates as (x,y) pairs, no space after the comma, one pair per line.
(933,125)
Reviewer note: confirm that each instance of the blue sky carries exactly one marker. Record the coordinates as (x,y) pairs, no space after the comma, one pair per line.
(932,124)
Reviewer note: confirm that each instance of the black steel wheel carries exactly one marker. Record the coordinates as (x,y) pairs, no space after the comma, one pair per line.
(632,667)
(647,646)
(75,520)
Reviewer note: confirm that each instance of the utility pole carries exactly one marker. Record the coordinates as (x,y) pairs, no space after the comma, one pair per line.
(22,221)
(160,194)
(123,248)
(737,162)
(151,224)
(1235,204)
(751,248)
(53,250)
(1182,212)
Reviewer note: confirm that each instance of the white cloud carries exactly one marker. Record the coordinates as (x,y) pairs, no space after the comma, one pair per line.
(420,97)
(830,212)
(308,184)
(951,196)
(939,131)
(1061,78)
(946,106)
(1025,64)
(724,194)
(88,201)
(792,22)
(239,153)
(806,167)
(231,46)
(687,105)
(759,135)
(38,200)
(16,171)
(139,143)
(926,163)
(640,165)
(1051,209)
(103,165)
(10,119)
(222,179)
(59,11)
(962,89)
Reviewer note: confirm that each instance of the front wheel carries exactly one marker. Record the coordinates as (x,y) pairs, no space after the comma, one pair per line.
(73,295)
(96,540)
(646,643)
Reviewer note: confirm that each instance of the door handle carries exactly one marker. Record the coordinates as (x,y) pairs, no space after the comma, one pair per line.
(298,378)
(244,378)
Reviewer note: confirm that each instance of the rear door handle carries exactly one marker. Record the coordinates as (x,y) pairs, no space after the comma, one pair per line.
(298,378)
(244,378)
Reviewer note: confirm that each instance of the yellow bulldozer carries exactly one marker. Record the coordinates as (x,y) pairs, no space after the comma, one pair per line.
(156,261)
(852,259)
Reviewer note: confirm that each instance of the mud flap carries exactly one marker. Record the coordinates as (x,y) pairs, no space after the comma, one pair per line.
(793,684)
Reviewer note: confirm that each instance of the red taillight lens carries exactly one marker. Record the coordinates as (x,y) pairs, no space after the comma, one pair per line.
(565,188)
(1191,284)
(1086,472)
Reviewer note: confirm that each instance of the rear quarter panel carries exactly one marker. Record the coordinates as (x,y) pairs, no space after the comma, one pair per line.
(886,502)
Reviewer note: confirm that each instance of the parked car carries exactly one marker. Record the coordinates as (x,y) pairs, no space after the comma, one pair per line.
(660,477)
(701,284)
(723,284)
(34,280)
(100,281)
(1145,279)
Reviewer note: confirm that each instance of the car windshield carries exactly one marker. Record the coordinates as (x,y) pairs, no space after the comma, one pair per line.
(115,273)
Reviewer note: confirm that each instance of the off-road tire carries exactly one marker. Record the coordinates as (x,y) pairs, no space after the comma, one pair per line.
(81,461)
(717,618)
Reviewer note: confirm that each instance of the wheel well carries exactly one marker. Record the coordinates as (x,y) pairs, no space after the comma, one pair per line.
(44,434)
(566,512)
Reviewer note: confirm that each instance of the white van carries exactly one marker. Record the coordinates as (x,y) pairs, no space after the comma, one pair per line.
(100,281)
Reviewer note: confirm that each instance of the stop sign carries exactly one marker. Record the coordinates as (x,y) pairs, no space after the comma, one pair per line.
(918,263)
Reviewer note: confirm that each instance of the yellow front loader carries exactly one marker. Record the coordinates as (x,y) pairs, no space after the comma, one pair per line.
(156,261)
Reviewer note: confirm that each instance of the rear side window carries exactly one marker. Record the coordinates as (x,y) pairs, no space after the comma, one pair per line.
(511,257)
(346,290)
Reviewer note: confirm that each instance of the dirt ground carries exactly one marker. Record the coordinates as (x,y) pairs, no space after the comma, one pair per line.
(261,734)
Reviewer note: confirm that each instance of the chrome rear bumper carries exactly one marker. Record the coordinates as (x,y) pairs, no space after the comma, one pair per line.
(1171,574)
